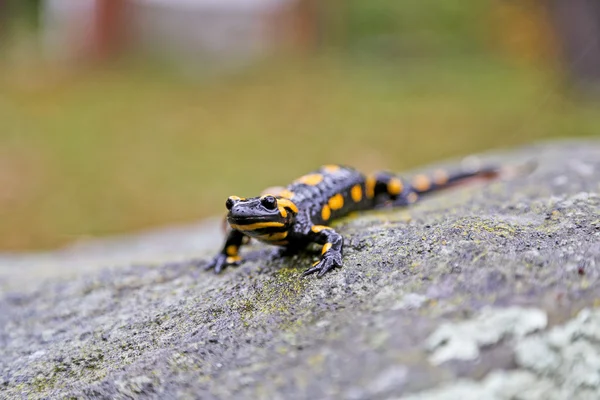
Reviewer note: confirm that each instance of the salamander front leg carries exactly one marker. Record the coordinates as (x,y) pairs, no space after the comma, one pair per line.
(229,255)
(331,254)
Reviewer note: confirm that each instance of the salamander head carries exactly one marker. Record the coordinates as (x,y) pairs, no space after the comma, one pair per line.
(265,217)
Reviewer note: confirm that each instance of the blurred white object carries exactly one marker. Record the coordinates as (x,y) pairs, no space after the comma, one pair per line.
(214,30)
(67,27)
(220,30)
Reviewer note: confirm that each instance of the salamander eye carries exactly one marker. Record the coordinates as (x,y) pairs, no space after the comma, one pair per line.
(269,202)
(230,202)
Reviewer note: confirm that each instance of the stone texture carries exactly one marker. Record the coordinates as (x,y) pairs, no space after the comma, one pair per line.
(170,330)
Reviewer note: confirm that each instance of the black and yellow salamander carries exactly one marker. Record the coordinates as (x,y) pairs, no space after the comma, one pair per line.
(299,214)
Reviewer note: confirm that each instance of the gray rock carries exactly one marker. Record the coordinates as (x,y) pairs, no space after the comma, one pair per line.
(145,328)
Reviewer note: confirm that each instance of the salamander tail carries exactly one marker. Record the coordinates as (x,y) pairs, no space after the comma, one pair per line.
(472,170)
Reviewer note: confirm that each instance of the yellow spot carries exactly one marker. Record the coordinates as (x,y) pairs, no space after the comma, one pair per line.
(282,211)
(394,186)
(318,228)
(370,186)
(278,191)
(273,236)
(235,198)
(326,247)
(311,179)
(234,259)
(356,193)
(421,183)
(288,203)
(336,202)
(279,235)
(232,250)
(412,197)
(286,193)
(325,213)
(258,225)
(440,177)
(315,263)
(331,168)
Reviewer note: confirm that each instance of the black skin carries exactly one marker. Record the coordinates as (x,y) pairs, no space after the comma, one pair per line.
(294,218)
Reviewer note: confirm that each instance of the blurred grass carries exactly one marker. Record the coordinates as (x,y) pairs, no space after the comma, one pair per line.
(112,151)
(417,26)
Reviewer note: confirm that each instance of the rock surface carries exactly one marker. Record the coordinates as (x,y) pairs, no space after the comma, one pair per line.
(506,266)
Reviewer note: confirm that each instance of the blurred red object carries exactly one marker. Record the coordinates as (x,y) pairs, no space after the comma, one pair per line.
(84,30)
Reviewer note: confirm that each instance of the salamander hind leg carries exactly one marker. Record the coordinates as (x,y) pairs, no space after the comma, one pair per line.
(331,254)
(388,189)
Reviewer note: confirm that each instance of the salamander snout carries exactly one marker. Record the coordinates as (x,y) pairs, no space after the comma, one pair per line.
(251,210)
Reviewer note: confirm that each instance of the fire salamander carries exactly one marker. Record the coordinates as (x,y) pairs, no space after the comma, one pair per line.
(299,214)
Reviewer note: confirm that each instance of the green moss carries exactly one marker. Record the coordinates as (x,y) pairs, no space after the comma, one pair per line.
(316,360)
(500,229)
(479,226)
(42,384)
(278,296)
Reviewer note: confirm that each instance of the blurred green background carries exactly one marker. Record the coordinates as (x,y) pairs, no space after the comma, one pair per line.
(112,138)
